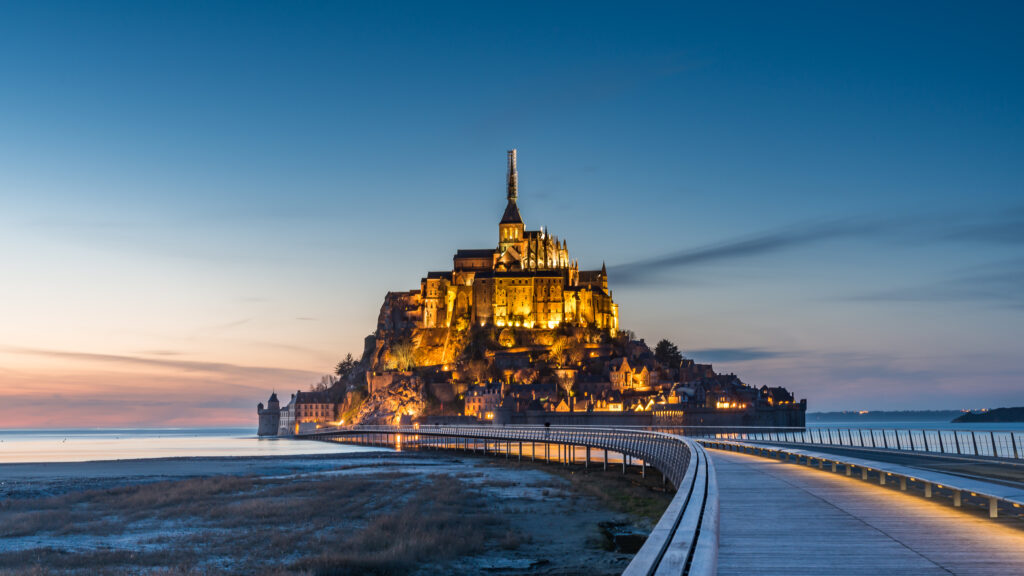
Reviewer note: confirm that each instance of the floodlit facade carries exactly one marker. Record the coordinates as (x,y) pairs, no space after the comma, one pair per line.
(528,280)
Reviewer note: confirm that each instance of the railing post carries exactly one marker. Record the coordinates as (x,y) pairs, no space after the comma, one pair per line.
(992,438)
(1013,442)
(956,439)
(974,440)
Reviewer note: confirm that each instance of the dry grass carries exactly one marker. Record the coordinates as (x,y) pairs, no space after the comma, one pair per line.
(374,524)
(643,499)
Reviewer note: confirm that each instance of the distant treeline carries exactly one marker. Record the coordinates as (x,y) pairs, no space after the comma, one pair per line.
(886,416)
(998,415)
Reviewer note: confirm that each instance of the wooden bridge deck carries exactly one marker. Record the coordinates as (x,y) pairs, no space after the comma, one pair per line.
(783,519)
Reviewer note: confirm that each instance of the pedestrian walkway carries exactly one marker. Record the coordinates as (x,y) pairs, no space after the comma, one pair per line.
(787,520)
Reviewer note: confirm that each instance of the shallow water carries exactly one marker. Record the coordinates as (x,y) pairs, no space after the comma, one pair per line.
(131,444)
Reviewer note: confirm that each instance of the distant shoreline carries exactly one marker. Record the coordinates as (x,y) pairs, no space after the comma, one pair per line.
(997,415)
(886,416)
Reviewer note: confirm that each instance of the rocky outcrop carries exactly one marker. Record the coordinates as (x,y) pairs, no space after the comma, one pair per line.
(404,396)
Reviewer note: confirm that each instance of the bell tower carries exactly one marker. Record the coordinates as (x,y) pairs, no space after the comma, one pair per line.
(511,231)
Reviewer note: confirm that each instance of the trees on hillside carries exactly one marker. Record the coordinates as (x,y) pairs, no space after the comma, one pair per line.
(345,367)
(667,354)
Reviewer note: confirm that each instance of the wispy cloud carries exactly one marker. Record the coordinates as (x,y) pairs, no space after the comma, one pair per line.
(762,244)
(1001,284)
(175,364)
(1006,228)
(996,283)
(735,354)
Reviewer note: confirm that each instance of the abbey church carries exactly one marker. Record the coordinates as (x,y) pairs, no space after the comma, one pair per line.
(527,281)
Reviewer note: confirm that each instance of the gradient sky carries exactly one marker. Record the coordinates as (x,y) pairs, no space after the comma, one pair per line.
(202,201)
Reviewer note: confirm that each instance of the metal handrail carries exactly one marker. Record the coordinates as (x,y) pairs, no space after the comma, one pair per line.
(1002,444)
(685,539)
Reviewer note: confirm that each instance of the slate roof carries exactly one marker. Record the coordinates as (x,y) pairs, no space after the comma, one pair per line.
(511,215)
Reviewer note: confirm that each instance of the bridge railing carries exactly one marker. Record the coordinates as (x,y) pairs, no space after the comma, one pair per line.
(986,443)
(1012,497)
(685,539)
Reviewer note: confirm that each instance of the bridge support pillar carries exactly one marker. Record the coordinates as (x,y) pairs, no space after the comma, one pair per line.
(643,469)
(821,464)
(863,473)
(849,471)
(605,452)
(903,483)
(547,452)
(927,489)
(624,457)
(881,478)
(993,507)
(834,466)
(520,451)
(957,499)
(586,464)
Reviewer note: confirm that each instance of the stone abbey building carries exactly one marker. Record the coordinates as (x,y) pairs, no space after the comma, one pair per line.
(528,280)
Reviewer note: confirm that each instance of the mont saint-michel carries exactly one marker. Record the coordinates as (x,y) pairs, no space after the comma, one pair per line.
(519,333)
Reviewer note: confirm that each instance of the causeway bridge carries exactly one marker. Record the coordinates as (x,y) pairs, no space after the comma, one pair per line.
(785,502)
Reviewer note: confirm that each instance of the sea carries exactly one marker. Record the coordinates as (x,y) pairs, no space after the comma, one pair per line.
(918,425)
(85,445)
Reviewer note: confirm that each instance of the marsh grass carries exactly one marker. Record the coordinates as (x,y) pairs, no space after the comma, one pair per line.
(644,499)
(383,523)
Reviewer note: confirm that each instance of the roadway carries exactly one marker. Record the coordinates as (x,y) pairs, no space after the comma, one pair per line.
(783,519)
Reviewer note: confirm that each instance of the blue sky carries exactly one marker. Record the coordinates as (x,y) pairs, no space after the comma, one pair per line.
(202,201)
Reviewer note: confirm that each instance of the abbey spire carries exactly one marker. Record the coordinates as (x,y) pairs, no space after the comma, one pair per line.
(512,176)
(511,215)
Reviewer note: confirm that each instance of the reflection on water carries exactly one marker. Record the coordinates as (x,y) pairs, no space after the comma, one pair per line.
(131,444)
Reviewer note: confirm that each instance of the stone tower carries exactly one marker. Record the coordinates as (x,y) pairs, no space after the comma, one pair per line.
(270,417)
